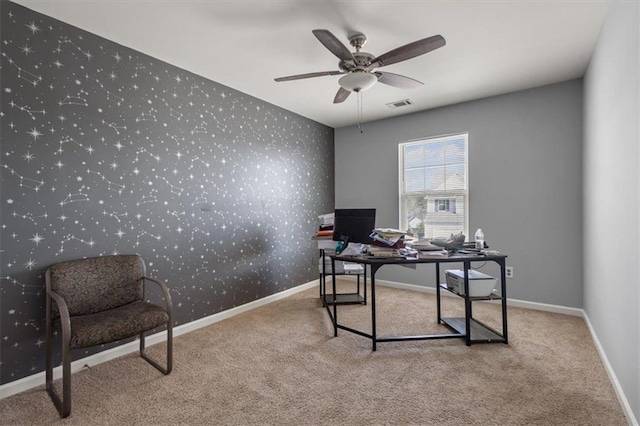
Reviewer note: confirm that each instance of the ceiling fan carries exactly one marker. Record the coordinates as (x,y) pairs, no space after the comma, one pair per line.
(358,67)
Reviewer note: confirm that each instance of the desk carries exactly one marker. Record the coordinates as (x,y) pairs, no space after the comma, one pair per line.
(478,331)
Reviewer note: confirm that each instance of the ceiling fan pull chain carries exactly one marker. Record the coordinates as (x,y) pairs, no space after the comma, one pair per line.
(359,98)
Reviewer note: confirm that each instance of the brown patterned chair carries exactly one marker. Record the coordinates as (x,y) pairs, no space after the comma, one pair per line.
(100,300)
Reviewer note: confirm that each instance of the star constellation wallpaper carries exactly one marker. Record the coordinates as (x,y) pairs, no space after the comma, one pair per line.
(105,150)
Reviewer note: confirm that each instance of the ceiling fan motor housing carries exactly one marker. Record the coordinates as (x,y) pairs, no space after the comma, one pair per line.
(362,60)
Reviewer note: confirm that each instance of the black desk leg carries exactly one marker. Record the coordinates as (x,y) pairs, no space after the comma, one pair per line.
(503,289)
(364,266)
(335,305)
(438,293)
(467,303)
(323,281)
(374,337)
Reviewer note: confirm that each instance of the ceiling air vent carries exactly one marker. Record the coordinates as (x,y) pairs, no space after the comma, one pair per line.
(398,104)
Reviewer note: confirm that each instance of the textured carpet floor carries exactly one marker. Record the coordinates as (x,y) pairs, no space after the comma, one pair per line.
(279,364)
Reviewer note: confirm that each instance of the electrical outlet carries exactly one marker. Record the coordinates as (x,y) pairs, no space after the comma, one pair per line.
(509,270)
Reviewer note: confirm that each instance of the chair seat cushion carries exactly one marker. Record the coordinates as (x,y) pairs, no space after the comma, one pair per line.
(115,324)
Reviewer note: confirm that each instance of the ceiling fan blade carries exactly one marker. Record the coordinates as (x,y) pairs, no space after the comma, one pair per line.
(341,95)
(308,75)
(334,45)
(397,80)
(409,51)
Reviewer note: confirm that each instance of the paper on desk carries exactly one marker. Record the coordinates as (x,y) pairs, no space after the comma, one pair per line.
(389,230)
(352,249)
(433,253)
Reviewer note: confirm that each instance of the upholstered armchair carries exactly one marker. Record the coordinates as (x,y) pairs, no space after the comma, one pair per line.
(96,301)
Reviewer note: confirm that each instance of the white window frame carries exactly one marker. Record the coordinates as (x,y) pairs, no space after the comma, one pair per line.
(464,193)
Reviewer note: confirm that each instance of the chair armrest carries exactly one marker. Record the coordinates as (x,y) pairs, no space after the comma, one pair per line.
(165,293)
(65,319)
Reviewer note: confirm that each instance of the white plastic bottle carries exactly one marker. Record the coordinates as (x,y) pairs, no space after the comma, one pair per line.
(479,239)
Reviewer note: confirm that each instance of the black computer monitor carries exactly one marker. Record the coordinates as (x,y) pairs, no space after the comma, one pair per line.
(354,225)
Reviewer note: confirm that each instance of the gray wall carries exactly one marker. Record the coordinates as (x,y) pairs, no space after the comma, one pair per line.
(525,156)
(106,150)
(611,188)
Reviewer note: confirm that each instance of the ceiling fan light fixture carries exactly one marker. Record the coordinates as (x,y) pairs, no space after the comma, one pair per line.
(358,81)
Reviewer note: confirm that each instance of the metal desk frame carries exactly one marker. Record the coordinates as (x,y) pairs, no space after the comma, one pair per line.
(479,332)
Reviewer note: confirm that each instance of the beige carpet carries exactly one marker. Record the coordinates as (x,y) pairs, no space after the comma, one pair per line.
(280,365)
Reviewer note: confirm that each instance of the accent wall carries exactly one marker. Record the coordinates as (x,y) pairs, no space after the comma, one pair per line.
(105,150)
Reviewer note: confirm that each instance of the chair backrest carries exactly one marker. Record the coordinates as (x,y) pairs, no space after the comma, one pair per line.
(97,284)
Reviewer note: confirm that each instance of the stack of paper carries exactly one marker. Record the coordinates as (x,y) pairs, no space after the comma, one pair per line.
(326,220)
(383,252)
(388,236)
(426,246)
(325,228)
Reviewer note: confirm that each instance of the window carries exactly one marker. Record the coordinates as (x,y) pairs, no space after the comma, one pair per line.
(448,205)
(434,190)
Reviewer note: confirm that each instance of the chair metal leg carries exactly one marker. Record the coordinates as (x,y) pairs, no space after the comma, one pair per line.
(144,355)
(62,405)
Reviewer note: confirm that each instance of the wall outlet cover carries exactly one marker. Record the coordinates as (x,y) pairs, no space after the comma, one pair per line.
(509,271)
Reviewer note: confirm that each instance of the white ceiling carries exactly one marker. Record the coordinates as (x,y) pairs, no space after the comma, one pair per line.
(493,47)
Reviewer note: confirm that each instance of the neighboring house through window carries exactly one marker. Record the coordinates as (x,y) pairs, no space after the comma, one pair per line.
(434,186)
(447,205)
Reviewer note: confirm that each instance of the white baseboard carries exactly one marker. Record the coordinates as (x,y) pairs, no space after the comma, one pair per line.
(38,379)
(631,419)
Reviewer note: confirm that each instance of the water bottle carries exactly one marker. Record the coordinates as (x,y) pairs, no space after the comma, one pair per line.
(479,239)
